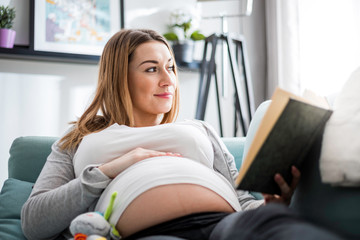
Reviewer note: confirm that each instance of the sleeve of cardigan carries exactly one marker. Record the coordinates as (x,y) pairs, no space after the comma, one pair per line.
(58,197)
(224,162)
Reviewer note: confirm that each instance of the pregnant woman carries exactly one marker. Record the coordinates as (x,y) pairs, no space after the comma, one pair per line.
(174,179)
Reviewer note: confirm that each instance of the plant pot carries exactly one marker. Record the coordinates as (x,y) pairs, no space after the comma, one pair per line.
(7,38)
(183,52)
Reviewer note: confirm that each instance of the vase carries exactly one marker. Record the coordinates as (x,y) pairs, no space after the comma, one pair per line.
(184,52)
(7,38)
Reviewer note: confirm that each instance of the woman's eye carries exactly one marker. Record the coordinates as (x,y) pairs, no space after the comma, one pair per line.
(171,69)
(152,69)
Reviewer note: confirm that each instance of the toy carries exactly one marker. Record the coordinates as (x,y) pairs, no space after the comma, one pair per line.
(95,225)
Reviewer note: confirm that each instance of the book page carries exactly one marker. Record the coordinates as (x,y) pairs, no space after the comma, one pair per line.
(316,99)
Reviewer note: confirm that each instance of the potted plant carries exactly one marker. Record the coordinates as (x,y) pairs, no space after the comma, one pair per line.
(7,35)
(182,36)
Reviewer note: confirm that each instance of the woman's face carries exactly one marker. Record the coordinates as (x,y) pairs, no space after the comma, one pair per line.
(152,82)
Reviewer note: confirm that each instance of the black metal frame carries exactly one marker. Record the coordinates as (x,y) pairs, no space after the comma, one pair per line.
(28,52)
(244,98)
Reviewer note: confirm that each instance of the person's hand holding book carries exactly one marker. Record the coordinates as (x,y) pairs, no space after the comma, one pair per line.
(286,190)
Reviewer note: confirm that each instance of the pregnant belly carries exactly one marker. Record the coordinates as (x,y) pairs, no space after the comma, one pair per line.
(167,202)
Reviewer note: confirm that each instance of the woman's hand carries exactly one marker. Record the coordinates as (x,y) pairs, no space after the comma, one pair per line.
(116,166)
(286,190)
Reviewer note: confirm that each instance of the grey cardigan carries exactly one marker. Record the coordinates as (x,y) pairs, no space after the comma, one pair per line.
(58,197)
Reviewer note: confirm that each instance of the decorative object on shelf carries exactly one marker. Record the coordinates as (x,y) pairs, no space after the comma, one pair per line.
(7,35)
(182,36)
(75,27)
(58,53)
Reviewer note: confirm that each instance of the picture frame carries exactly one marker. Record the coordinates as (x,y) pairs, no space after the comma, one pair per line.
(73,30)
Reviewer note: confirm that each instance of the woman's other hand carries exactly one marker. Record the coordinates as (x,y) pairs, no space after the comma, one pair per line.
(286,190)
(116,166)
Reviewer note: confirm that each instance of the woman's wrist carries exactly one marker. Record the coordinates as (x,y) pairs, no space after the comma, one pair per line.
(108,171)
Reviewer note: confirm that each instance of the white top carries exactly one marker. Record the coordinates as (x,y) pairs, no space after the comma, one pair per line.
(194,167)
(186,138)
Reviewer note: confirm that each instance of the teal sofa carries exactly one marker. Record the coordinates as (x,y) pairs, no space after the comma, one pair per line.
(27,157)
(337,209)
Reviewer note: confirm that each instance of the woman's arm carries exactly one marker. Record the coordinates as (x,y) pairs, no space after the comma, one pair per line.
(57,197)
(117,165)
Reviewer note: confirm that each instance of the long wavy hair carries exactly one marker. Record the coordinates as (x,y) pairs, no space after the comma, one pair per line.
(112,102)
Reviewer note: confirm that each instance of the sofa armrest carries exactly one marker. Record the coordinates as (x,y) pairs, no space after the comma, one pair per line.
(236,147)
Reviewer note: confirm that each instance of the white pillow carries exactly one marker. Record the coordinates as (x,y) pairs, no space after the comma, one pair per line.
(340,154)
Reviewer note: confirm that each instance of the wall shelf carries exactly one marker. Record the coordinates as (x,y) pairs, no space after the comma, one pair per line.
(25,53)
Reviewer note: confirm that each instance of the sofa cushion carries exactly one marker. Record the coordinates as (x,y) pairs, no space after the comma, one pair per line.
(27,157)
(236,148)
(12,197)
(10,229)
(254,125)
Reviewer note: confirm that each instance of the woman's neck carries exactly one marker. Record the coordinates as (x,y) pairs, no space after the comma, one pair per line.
(148,121)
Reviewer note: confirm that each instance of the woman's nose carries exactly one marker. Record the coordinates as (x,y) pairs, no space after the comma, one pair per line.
(167,78)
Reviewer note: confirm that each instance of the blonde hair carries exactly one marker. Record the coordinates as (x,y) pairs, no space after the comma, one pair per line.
(112,102)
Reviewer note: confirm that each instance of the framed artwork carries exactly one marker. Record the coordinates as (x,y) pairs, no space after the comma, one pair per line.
(74,29)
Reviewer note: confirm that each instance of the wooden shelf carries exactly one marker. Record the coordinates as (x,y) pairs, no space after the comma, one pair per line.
(25,53)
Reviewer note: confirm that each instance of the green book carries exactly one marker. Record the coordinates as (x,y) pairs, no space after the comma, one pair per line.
(284,138)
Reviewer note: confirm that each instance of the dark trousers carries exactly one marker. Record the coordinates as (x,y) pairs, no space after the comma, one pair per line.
(270,222)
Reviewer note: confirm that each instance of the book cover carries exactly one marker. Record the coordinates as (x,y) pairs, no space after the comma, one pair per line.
(284,137)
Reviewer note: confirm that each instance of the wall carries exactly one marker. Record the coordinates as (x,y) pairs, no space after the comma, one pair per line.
(40,98)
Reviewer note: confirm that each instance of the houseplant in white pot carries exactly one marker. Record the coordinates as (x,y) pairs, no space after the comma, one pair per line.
(7,35)
(182,36)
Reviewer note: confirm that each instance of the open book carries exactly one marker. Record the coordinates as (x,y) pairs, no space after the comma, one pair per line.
(284,138)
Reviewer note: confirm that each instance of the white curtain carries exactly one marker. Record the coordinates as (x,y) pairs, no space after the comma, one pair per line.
(313,44)
(282,30)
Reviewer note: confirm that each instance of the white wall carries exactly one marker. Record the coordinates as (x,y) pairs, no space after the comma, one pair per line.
(40,98)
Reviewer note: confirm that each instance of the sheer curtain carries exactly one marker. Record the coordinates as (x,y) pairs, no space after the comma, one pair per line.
(282,30)
(312,44)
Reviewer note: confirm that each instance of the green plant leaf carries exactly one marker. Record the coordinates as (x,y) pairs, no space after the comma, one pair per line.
(186,26)
(7,16)
(196,36)
(171,36)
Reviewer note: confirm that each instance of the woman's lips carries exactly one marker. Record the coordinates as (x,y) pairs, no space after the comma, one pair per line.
(164,95)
